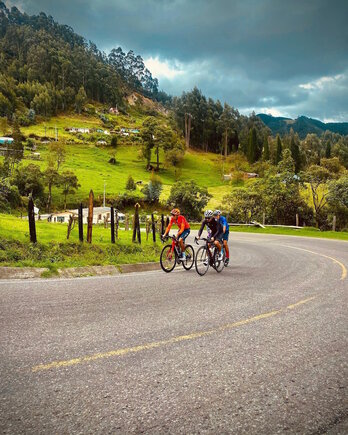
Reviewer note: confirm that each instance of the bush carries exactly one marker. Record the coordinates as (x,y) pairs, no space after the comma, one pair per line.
(152,191)
(130,185)
(189,198)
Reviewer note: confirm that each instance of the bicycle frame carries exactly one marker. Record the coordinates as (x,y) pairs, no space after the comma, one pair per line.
(208,244)
(175,245)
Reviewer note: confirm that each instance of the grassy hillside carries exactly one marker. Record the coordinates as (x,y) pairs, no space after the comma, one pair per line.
(90,162)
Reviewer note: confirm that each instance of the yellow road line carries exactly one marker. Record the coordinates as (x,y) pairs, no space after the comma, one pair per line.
(343,267)
(304,301)
(155,344)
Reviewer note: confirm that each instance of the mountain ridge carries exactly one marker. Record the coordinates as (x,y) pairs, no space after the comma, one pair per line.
(302,125)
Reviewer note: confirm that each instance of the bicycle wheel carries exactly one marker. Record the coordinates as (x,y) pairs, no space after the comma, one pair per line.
(190,257)
(218,264)
(202,261)
(168,258)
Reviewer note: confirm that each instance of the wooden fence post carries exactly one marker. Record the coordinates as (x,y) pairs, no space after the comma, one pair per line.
(334,223)
(136,226)
(112,225)
(81,222)
(70,226)
(116,224)
(90,217)
(297,220)
(31,218)
(162,225)
(153,228)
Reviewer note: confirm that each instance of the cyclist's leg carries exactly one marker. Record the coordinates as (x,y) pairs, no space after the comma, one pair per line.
(227,251)
(225,241)
(182,239)
(217,244)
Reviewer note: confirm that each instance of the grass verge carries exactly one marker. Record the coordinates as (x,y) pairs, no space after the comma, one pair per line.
(54,251)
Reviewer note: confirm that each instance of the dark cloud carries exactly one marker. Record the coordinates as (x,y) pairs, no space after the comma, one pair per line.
(252,53)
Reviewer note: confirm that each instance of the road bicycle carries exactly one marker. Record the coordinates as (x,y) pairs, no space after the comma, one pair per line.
(171,255)
(208,255)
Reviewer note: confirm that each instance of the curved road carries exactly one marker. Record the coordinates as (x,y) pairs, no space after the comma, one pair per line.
(259,348)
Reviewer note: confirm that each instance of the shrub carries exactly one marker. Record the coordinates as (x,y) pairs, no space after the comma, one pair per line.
(130,185)
(189,198)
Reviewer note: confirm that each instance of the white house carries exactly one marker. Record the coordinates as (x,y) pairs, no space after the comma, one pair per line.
(99,214)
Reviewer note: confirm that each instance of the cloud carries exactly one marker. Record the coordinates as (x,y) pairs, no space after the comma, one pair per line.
(254,54)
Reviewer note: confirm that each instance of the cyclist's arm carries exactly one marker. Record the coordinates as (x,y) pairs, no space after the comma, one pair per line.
(219,230)
(182,228)
(201,229)
(168,229)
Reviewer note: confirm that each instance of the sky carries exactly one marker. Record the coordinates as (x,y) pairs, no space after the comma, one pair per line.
(282,57)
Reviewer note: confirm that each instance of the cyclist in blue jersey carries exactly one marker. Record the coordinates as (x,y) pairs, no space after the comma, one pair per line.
(226,232)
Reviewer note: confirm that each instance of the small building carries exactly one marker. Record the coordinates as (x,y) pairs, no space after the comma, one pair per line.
(78,130)
(99,215)
(5,140)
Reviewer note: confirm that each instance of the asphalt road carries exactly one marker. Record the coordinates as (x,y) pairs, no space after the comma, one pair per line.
(260,348)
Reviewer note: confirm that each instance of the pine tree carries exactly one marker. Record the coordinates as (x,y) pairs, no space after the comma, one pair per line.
(278,156)
(265,149)
(252,146)
(130,185)
(295,153)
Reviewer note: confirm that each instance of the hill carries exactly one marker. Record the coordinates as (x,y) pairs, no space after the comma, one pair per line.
(302,125)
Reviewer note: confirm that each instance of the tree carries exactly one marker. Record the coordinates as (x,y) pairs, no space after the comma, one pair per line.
(243,205)
(3,126)
(14,150)
(189,198)
(57,153)
(29,180)
(80,99)
(52,178)
(266,155)
(278,156)
(337,199)
(174,156)
(226,125)
(69,183)
(152,191)
(295,153)
(113,142)
(130,185)
(317,177)
(252,146)
(286,167)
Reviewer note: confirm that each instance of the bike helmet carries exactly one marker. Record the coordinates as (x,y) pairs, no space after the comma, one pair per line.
(175,212)
(208,213)
(216,212)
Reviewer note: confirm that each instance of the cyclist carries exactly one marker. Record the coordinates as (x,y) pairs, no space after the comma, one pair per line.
(215,228)
(184,229)
(226,233)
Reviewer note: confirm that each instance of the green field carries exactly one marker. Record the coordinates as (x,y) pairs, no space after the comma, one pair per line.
(54,251)
(90,163)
